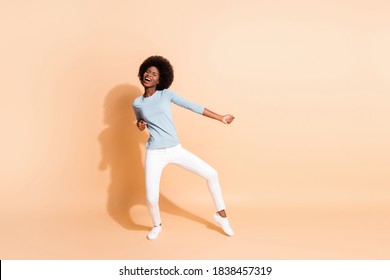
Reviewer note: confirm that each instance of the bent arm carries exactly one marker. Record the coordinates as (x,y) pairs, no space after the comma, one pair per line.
(141,124)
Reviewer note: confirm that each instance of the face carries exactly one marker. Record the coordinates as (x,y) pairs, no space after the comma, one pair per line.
(151,77)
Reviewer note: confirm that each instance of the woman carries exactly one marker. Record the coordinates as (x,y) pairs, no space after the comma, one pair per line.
(153,112)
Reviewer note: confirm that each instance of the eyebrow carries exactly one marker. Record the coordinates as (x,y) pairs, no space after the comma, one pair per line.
(153,72)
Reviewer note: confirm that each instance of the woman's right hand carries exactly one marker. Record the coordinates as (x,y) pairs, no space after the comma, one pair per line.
(141,124)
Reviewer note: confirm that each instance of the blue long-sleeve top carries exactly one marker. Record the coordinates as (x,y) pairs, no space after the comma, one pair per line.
(156,111)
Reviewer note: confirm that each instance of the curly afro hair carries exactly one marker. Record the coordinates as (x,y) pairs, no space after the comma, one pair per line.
(164,68)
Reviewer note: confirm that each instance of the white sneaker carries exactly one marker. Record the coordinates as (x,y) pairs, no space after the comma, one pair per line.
(224,223)
(153,234)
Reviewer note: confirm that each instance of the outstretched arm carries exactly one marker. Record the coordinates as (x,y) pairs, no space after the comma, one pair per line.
(226,119)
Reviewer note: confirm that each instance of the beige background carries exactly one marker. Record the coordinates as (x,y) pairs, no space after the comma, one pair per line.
(304,167)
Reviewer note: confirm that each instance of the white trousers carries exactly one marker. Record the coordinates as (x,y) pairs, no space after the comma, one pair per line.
(157,159)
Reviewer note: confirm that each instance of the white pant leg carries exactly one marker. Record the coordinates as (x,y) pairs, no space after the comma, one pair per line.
(193,163)
(155,162)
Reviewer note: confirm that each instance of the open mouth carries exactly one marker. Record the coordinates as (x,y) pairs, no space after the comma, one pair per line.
(148,79)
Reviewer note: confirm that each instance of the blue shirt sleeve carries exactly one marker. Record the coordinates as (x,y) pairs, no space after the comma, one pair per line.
(182,102)
(137,112)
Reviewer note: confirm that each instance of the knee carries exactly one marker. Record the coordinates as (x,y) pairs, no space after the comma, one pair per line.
(212,174)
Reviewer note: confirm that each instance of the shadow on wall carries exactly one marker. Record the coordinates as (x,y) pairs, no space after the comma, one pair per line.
(121,143)
(120,146)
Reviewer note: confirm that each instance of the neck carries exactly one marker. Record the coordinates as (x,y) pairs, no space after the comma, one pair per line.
(149,91)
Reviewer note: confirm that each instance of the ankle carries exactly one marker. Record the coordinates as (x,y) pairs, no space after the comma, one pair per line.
(222,213)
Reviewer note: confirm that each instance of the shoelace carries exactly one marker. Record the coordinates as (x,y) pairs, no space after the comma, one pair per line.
(155,230)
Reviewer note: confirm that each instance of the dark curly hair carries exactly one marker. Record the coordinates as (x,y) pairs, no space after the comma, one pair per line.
(164,68)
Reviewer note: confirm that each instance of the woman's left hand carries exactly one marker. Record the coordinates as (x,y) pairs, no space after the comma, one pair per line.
(227,119)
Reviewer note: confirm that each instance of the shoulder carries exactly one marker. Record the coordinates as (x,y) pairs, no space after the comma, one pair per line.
(166,94)
(137,101)
(169,93)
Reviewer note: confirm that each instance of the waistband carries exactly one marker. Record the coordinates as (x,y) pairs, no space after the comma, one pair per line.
(169,149)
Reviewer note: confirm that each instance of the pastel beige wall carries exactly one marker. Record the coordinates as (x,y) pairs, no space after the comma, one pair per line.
(308,82)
